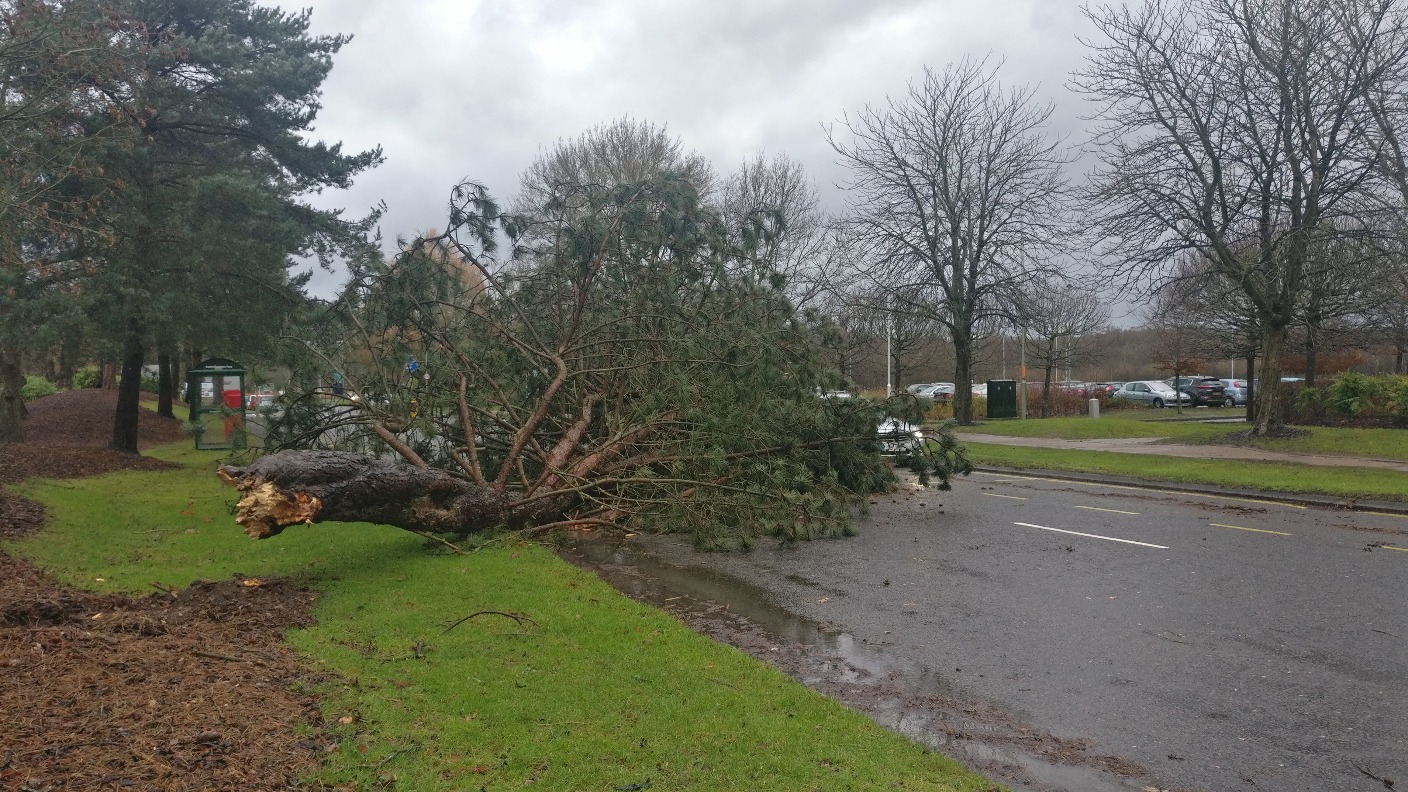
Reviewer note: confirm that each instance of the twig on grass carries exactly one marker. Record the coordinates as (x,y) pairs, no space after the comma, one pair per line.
(434,538)
(516,617)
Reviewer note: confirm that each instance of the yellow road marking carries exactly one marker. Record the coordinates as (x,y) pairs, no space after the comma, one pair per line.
(1257,530)
(1097,508)
(1008,497)
(1391,547)
(1386,514)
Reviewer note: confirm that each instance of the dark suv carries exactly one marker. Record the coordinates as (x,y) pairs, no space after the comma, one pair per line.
(1202,391)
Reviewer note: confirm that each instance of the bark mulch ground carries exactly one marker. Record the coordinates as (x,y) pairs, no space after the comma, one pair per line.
(186,689)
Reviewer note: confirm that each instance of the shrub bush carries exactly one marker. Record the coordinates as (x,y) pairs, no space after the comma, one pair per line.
(37,388)
(1352,393)
(939,410)
(1350,399)
(150,384)
(86,377)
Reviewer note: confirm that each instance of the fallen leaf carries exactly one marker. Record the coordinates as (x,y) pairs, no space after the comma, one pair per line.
(345,720)
(824,599)
(252,583)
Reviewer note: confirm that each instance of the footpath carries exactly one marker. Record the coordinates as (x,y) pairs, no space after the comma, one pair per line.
(1152,445)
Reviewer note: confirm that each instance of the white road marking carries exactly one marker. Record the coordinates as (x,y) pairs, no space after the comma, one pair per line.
(1092,536)
(1115,511)
(1257,530)
(1008,497)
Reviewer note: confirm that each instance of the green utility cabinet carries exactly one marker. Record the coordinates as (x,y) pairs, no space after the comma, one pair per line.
(1002,398)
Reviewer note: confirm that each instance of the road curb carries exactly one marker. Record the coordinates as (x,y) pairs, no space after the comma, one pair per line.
(1319,501)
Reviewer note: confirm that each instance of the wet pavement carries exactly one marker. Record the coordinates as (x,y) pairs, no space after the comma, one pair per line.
(1075,637)
(893,690)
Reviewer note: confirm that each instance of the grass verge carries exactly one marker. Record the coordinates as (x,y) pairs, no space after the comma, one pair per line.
(595,692)
(1376,443)
(1349,483)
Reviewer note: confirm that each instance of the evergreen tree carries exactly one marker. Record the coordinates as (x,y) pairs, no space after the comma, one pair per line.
(211,205)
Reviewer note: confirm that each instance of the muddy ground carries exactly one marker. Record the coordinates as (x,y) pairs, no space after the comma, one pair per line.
(185,689)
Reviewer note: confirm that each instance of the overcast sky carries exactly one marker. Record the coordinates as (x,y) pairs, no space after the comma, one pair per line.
(456,89)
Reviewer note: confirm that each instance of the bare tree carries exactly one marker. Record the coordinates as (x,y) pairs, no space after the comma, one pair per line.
(1387,313)
(801,252)
(1052,311)
(1244,130)
(624,151)
(1339,290)
(896,327)
(957,197)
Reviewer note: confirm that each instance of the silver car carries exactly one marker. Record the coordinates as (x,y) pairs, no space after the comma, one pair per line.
(899,438)
(1151,392)
(1235,390)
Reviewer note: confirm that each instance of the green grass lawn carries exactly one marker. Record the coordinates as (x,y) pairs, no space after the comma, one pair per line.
(1350,483)
(597,692)
(1377,443)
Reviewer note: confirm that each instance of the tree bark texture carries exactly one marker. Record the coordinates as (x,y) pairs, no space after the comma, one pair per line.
(1268,396)
(11,395)
(293,487)
(129,394)
(1251,387)
(166,384)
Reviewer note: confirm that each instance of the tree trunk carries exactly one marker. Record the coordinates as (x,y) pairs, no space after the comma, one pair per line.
(1311,343)
(11,395)
(1046,393)
(166,384)
(129,393)
(1268,397)
(293,487)
(1251,387)
(963,376)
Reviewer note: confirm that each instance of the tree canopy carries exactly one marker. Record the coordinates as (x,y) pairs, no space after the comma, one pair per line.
(625,362)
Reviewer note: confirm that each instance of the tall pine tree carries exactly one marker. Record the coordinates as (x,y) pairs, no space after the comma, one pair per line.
(212,185)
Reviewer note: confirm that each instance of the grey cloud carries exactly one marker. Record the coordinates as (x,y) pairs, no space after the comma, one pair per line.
(455,89)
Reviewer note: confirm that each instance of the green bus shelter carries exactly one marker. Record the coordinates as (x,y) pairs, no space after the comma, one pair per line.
(215,391)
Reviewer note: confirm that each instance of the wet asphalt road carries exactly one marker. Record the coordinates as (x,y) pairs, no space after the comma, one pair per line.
(1220,643)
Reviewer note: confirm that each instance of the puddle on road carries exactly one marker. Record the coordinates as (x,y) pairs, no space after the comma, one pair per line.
(901,695)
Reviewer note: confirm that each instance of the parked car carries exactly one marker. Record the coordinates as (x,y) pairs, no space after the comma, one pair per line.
(980,389)
(898,438)
(1205,391)
(938,391)
(1151,392)
(1070,386)
(1236,391)
(1104,389)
